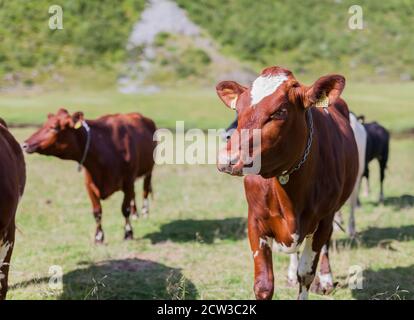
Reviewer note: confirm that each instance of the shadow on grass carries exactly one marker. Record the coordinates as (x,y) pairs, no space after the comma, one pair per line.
(404,201)
(393,283)
(378,237)
(204,231)
(123,279)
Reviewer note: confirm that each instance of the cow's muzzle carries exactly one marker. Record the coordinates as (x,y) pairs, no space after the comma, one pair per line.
(29,148)
(230,164)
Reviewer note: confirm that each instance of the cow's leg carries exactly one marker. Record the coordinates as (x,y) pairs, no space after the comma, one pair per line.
(324,282)
(366,175)
(128,205)
(133,209)
(263,267)
(93,193)
(309,259)
(147,190)
(352,206)
(383,165)
(6,249)
(293,269)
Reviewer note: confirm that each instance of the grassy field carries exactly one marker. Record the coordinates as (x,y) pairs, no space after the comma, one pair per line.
(194,244)
(388,103)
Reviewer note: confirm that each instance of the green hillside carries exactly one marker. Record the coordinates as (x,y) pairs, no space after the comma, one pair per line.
(307,36)
(313,35)
(94,33)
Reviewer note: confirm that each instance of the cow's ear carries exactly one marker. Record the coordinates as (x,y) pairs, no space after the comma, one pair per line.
(229,92)
(77,119)
(324,91)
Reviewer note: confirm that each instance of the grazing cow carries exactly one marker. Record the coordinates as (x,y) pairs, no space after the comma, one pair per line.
(308,168)
(12,182)
(378,141)
(114,150)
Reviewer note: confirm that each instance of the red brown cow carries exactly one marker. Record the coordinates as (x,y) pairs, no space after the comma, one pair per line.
(114,150)
(308,168)
(13,179)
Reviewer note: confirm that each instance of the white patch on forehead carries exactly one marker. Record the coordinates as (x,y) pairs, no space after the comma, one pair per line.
(264,86)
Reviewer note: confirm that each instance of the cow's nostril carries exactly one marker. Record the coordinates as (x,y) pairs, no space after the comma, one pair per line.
(25,146)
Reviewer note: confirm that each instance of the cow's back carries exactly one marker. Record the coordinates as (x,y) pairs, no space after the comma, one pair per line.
(132,135)
(336,167)
(377,140)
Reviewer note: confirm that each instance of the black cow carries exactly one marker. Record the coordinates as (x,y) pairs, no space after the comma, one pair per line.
(378,140)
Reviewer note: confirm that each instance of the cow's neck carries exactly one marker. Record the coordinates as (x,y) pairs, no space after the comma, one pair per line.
(95,159)
(301,182)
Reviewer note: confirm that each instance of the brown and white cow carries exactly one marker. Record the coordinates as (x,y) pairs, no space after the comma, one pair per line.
(12,182)
(114,150)
(308,169)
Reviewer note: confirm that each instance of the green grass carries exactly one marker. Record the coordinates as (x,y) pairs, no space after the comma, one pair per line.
(388,103)
(94,33)
(194,244)
(313,35)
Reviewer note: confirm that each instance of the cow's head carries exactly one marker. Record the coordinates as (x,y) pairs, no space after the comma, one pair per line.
(57,136)
(275,104)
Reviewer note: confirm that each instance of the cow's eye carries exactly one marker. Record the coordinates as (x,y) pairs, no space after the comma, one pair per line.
(54,128)
(280,114)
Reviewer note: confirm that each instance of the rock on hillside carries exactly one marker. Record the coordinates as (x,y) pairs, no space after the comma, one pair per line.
(165,47)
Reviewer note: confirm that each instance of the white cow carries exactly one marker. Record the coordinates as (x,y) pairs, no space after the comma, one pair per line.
(361,141)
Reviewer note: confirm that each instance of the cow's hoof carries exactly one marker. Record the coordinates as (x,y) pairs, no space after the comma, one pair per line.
(263,290)
(99,237)
(318,288)
(292,283)
(128,235)
(145,211)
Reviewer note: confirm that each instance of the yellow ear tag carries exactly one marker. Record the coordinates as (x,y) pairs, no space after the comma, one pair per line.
(323,101)
(78,124)
(233,103)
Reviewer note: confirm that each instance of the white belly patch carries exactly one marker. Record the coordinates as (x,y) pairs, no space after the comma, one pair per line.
(281,247)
